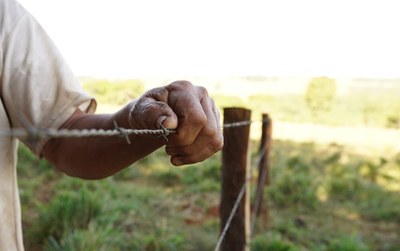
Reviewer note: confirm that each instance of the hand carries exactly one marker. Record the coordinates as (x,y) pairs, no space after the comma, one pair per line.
(188,109)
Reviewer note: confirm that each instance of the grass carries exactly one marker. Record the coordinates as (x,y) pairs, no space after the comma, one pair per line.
(320,198)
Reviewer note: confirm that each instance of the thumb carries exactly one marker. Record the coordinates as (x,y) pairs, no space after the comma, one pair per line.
(149,114)
(152,110)
(168,121)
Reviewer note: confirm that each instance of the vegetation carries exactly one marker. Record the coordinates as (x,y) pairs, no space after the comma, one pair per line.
(320,94)
(361,108)
(319,104)
(115,92)
(321,197)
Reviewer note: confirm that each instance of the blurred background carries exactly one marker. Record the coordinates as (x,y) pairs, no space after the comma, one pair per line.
(327,73)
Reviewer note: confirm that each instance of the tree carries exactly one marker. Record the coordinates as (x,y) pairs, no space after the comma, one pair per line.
(320,94)
(393,119)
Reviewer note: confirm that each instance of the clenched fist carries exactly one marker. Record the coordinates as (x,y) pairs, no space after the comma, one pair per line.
(190,111)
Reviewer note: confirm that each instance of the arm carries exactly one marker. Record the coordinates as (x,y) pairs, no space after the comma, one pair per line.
(180,106)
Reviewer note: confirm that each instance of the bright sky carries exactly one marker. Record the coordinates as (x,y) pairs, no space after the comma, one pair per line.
(128,38)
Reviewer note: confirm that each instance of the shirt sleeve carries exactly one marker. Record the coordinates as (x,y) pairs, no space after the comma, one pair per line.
(36,82)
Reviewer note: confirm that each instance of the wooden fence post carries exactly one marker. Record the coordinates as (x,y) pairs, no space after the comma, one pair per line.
(235,160)
(263,169)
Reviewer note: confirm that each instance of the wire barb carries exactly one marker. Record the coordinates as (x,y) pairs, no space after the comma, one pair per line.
(30,132)
(165,132)
(123,132)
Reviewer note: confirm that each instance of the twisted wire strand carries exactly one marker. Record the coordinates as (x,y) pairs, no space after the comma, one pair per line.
(257,201)
(237,202)
(65,133)
(33,132)
(231,215)
(238,124)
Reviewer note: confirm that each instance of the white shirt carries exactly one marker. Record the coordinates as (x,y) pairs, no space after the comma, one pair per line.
(36,82)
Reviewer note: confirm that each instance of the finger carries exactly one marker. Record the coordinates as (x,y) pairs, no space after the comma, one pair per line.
(168,119)
(210,137)
(208,132)
(213,144)
(205,153)
(217,117)
(191,121)
(198,145)
(152,110)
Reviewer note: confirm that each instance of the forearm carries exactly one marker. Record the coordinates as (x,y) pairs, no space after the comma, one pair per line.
(181,106)
(98,157)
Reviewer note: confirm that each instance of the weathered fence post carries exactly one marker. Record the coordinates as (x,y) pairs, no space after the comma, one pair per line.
(263,169)
(235,161)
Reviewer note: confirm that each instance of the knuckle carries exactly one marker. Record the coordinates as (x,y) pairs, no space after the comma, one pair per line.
(203,91)
(181,84)
(158,93)
(216,145)
(199,120)
(212,102)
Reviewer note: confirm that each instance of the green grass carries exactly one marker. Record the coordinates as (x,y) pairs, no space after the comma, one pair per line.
(374,109)
(320,198)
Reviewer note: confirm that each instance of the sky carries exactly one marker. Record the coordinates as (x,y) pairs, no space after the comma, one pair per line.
(131,38)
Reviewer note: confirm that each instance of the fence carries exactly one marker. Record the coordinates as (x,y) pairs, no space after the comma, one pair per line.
(237,221)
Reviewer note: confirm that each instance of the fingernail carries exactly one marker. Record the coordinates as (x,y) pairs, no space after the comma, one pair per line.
(168,122)
(177,162)
(161,120)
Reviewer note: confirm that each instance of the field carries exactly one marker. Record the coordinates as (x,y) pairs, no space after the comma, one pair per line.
(323,195)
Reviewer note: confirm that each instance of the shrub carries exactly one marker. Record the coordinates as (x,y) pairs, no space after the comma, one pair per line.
(94,238)
(347,243)
(291,189)
(346,187)
(270,242)
(377,204)
(203,177)
(67,211)
(294,185)
(320,94)
(344,182)
(228,101)
(393,118)
(169,178)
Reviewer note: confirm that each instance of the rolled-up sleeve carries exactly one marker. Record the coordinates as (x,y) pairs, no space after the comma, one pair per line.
(36,82)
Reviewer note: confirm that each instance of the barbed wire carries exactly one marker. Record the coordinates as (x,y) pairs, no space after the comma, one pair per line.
(231,215)
(65,133)
(238,124)
(39,133)
(260,185)
(238,200)
(31,132)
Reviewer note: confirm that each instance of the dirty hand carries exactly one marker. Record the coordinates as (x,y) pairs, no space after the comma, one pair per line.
(190,111)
